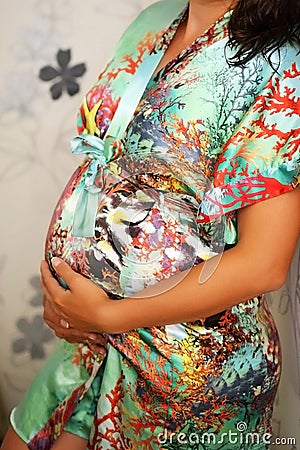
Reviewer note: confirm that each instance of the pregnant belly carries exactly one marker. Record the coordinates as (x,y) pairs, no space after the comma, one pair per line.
(140,235)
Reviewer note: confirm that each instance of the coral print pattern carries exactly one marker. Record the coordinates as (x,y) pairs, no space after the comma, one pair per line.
(206,140)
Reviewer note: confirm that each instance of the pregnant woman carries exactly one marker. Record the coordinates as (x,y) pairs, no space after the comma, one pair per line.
(183,213)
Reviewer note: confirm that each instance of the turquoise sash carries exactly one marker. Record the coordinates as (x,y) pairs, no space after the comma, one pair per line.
(102,151)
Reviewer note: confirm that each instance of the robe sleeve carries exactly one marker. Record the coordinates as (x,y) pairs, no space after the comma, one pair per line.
(262,157)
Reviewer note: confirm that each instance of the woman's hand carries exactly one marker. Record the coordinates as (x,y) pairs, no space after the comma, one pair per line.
(244,271)
(75,310)
(95,341)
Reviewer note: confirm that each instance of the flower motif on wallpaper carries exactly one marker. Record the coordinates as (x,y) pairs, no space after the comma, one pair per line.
(35,335)
(37,297)
(127,10)
(38,40)
(55,10)
(20,100)
(65,76)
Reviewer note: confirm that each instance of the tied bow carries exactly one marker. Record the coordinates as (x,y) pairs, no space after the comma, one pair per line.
(101,152)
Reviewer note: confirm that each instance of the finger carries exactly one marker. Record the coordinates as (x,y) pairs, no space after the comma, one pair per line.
(53,320)
(64,271)
(65,323)
(47,295)
(54,292)
(61,334)
(59,331)
(44,287)
(70,335)
(49,303)
(97,339)
(50,314)
(97,349)
(49,282)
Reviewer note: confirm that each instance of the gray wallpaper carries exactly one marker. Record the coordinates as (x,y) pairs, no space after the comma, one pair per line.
(51,51)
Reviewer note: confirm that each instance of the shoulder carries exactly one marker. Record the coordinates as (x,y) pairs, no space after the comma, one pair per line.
(150,21)
(160,9)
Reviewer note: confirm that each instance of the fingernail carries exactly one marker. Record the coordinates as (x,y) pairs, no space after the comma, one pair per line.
(55,261)
(92,337)
(64,323)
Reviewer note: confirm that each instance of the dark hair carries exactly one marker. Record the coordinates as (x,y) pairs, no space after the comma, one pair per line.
(263,26)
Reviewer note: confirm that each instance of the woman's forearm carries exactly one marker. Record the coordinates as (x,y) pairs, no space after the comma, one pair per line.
(257,264)
(236,278)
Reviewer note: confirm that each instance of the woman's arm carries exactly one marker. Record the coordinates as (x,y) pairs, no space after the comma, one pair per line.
(268,233)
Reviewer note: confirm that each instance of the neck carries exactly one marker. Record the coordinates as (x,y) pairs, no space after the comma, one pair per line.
(202,14)
(209,4)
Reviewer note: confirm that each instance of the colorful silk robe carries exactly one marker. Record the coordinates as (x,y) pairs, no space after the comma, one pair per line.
(206,140)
